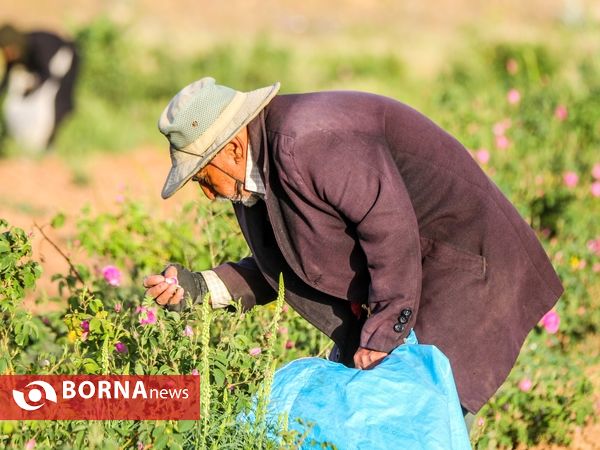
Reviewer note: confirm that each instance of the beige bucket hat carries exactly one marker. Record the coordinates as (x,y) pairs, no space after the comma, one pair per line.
(200,120)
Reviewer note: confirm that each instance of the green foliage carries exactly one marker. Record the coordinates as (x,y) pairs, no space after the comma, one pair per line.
(17,271)
(120,99)
(123,87)
(549,410)
(529,166)
(214,344)
(135,239)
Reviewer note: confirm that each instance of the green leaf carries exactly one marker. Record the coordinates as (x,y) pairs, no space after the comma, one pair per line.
(185,425)
(91,366)
(161,442)
(95,325)
(139,369)
(4,245)
(58,220)
(175,445)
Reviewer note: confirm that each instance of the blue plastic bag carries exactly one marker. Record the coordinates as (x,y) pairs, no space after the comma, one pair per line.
(408,401)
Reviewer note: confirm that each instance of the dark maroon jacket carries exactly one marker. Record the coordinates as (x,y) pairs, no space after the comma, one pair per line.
(369,201)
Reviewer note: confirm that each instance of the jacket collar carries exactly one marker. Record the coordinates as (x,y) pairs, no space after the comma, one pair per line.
(258,140)
(257,132)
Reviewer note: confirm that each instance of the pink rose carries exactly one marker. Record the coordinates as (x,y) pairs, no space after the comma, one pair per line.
(483,156)
(195,372)
(595,189)
(561,113)
(525,385)
(593,245)
(112,275)
(502,142)
(512,66)
(85,326)
(30,445)
(550,321)
(513,96)
(570,179)
(500,128)
(596,171)
(120,347)
(188,331)
(255,351)
(118,307)
(289,344)
(147,315)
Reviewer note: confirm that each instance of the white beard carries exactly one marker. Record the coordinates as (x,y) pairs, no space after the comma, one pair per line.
(249,201)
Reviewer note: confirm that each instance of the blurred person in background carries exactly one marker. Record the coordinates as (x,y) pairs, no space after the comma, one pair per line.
(379,220)
(39,80)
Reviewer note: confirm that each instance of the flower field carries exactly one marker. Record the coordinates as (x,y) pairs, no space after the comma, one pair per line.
(528,112)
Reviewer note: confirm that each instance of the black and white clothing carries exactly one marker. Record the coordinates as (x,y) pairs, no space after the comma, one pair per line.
(40,87)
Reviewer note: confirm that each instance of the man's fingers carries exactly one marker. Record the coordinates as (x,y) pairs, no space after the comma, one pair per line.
(362,363)
(156,290)
(153,280)
(170,272)
(177,296)
(366,363)
(166,295)
(358,361)
(367,359)
(372,363)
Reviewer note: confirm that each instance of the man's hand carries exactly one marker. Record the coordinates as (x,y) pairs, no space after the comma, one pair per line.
(174,284)
(164,289)
(367,359)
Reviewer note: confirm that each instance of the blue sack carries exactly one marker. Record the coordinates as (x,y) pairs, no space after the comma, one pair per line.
(408,401)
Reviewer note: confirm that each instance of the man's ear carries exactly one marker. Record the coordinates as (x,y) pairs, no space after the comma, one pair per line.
(237,149)
(231,150)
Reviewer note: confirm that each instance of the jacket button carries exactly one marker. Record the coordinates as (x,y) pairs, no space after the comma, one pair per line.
(406,312)
(398,328)
(402,319)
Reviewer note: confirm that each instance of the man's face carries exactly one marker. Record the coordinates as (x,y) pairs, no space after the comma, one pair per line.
(223,177)
(216,184)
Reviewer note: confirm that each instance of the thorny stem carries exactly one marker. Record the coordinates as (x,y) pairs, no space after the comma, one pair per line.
(57,248)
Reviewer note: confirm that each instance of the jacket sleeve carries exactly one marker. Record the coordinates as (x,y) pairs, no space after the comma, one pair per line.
(245,281)
(365,187)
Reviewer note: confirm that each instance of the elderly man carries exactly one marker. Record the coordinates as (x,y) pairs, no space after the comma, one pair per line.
(379,220)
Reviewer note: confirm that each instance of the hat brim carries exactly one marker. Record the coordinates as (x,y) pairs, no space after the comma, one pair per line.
(186,165)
